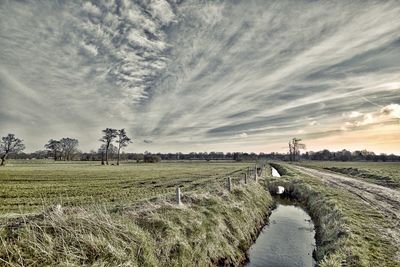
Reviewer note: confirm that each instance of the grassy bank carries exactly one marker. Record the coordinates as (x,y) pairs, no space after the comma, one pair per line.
(213,227)
(382,173)
(349,231)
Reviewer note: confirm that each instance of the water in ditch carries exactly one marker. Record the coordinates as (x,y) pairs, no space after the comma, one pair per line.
(275,173)
(288,239)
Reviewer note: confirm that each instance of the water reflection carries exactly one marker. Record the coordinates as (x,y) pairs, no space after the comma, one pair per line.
(288,240)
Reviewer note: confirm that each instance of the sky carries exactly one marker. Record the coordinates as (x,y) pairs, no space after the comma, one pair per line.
(186,75)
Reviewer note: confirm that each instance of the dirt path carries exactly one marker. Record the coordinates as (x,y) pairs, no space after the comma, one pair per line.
(383,199)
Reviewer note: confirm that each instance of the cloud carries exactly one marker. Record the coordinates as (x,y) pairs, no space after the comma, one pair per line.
(391,111)
(242,135)
(385,114)
(193,74)
(355,114)
(91,9)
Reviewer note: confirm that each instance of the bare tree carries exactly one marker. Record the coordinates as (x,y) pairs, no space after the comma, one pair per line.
(123,141)
(54,146)
(68,147)
(10,144)
(109,135)
(290,151)
(294,148)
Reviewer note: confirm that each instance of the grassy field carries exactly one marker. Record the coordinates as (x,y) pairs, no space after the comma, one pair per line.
(28,186)
(106,220)
(350,232)
(126,215)
(382,173)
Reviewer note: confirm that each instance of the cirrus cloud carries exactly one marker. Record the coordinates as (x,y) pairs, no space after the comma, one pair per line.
(197,75)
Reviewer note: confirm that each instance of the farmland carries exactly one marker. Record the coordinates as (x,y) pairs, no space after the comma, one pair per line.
(106,220)
(29,186)
(382,173)
(127,215)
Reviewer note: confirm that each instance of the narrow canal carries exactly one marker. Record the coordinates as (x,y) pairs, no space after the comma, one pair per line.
(288,239)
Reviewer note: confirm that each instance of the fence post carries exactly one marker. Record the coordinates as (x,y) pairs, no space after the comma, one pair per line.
(245,178)
(178,196)
(255,173)
(229,184)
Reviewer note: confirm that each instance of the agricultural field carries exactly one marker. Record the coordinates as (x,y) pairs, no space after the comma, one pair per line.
(382,173)
(105,218)
(30,186)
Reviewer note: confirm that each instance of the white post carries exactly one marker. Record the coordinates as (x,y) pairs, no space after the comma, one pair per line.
(255,173)
(229,184)
(178,196)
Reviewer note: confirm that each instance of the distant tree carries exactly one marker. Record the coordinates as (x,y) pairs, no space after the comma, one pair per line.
(149,158)
(123,141)
(10,144)
(54,146)
(294,148)
(112,151)
(237,156)
(69,146)
(109,135)
(383,157)
(139,157)
(40,154)
(344,155)
(290,151)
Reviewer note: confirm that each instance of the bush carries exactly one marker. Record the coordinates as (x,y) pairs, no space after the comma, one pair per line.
(151,158)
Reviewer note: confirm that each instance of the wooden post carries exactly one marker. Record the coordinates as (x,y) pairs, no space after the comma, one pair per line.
(255,173)
(229,185)
(178,196)
(245,178)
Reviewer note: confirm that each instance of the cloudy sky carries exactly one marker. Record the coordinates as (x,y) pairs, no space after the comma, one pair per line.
(185,75)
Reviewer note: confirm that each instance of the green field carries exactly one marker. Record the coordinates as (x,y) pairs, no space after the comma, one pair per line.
(382,173)
(29,186)
(126,215)
(105,218)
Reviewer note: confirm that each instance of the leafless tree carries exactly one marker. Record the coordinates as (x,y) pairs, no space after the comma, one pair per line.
(290,151)
(109,135)
(68,147)
(294,148)
(10,144)
(54,146)
(123,141)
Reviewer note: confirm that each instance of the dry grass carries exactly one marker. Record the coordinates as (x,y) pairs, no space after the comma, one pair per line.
(214,227)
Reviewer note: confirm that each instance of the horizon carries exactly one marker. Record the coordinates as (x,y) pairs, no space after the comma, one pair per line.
(189,76)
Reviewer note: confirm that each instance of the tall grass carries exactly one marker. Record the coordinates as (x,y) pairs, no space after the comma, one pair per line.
(210,228)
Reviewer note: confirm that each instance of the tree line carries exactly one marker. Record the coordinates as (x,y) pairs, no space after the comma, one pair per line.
(114,141)
(65,148)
